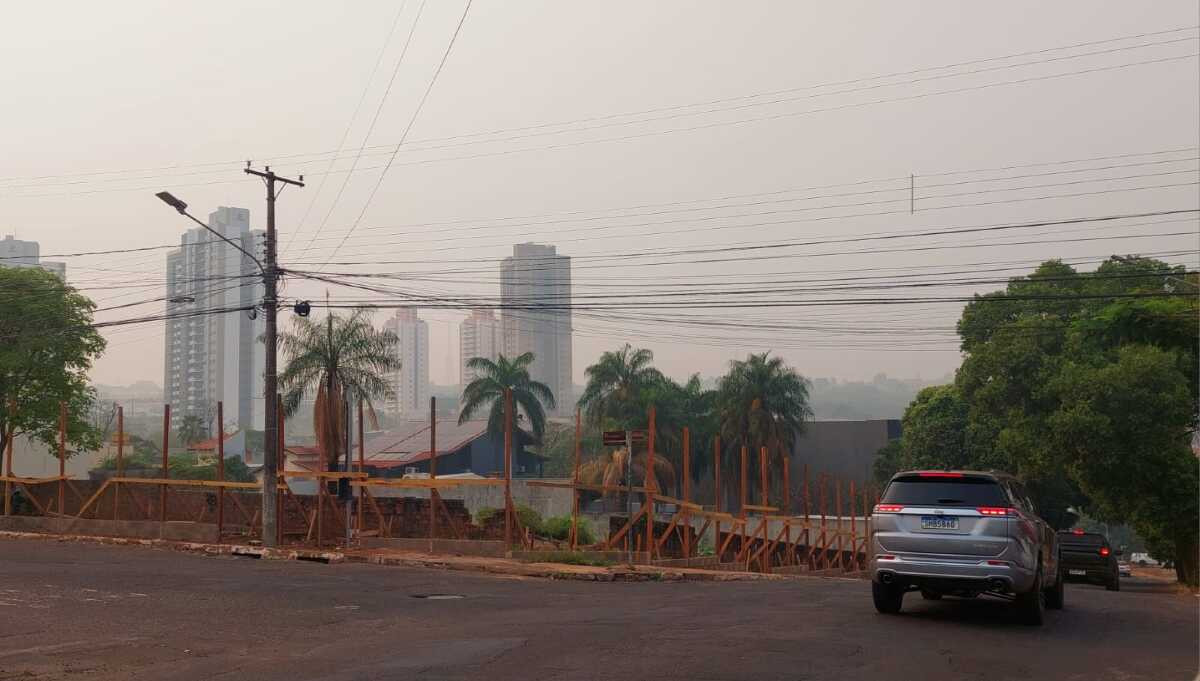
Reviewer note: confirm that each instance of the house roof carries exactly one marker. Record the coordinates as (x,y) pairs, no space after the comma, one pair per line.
(409,441)
(210,445)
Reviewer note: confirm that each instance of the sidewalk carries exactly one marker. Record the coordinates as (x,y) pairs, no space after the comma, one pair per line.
(497,566)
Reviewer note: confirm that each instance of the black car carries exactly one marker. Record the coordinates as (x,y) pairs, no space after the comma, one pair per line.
(1087,556)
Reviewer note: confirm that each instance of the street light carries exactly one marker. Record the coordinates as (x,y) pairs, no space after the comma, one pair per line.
(174,202)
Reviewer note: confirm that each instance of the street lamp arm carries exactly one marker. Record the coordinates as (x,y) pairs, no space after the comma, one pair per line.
(180,206)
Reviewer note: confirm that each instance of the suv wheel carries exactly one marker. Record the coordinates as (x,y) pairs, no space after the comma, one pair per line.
(1031,605)
(1114,582)
(1054,595)
(888,597)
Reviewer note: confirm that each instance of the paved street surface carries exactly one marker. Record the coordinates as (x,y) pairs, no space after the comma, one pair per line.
(102,612)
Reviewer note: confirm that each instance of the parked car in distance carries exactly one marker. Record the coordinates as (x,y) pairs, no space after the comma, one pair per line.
(1123,569)
(1143,560)
(1087,557)
(965,534)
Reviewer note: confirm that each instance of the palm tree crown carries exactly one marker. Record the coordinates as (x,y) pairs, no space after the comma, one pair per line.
(341,359)
(762,402)
(529,396)
(616,384)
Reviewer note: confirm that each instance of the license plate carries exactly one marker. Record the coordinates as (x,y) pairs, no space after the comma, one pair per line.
(938,522)
(1081,573)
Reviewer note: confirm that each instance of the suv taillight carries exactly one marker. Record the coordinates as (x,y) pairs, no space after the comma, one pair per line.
(888,508)
(994,510)
(1104,551)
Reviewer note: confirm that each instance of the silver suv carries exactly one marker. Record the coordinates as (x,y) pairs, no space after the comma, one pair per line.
(963,533)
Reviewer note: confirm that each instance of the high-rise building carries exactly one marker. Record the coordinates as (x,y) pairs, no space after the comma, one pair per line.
(215,356)
(478,336)
(535,296)
(17,253)
(411,383)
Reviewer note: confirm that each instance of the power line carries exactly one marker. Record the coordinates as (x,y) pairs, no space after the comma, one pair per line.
(417,112)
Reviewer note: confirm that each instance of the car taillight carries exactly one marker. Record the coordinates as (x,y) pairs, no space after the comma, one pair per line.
(939,475)
(1077,530)
(998,563)
(994,510)
(885,557)
(1104,550)
(888,508)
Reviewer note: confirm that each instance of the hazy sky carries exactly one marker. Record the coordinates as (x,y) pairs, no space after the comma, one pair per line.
(744,99)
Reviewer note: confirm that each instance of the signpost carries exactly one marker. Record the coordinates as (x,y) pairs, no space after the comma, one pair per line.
(617,438)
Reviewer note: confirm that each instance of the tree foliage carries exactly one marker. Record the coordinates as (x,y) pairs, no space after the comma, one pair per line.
(340,360)
(530,398)
(47,346)
(1084,385)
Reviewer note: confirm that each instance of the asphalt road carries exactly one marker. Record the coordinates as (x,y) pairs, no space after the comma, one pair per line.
(101,612)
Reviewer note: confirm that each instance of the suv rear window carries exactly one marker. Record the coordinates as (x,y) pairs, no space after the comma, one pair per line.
(1072,539)
(920,491)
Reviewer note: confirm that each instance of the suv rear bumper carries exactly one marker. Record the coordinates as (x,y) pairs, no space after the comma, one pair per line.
(951,575)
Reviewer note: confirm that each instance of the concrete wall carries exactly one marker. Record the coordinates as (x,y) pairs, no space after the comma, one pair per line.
(843,449)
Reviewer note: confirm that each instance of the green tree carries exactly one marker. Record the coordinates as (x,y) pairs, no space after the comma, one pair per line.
(339,360)
(1083,385)
(616,387)
(530,398)
(47,346)
(761,402)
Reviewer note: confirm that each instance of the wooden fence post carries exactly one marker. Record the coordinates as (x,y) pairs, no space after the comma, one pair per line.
(221,469)
(362,467)
(433,493)
(687,492)
(166,469)
(574,533)
(62,458)
(508,445)
(717,496)
(120,461)
(650,481)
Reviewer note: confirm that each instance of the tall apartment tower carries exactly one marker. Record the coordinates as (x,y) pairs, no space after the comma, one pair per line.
(535,295)
(17,253)
(411,383)
(478,336)
(213,356)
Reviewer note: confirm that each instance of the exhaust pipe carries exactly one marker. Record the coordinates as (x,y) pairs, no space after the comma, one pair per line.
(998,584)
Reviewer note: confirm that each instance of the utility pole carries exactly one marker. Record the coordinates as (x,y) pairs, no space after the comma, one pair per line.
(270,311)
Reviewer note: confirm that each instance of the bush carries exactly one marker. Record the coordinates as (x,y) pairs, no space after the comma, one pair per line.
(559,527)
(527,516)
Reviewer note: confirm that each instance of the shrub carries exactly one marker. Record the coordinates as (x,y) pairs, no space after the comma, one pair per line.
(559,527)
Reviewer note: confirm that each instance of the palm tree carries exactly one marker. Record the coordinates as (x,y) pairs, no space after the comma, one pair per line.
(608,469)
(762,402)
(342,359)
(616,384)
(529,396)
(191,429)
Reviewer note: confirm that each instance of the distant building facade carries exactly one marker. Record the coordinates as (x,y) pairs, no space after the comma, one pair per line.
(17,253)
(411,383)
(478,336)
(535,297)
(211,357)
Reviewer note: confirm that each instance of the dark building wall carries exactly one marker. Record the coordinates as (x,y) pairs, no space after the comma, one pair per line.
(845,449)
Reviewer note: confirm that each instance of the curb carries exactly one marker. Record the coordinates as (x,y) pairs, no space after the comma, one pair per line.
(189,547)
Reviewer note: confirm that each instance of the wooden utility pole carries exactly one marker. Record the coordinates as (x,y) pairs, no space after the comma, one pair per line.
(271,276)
